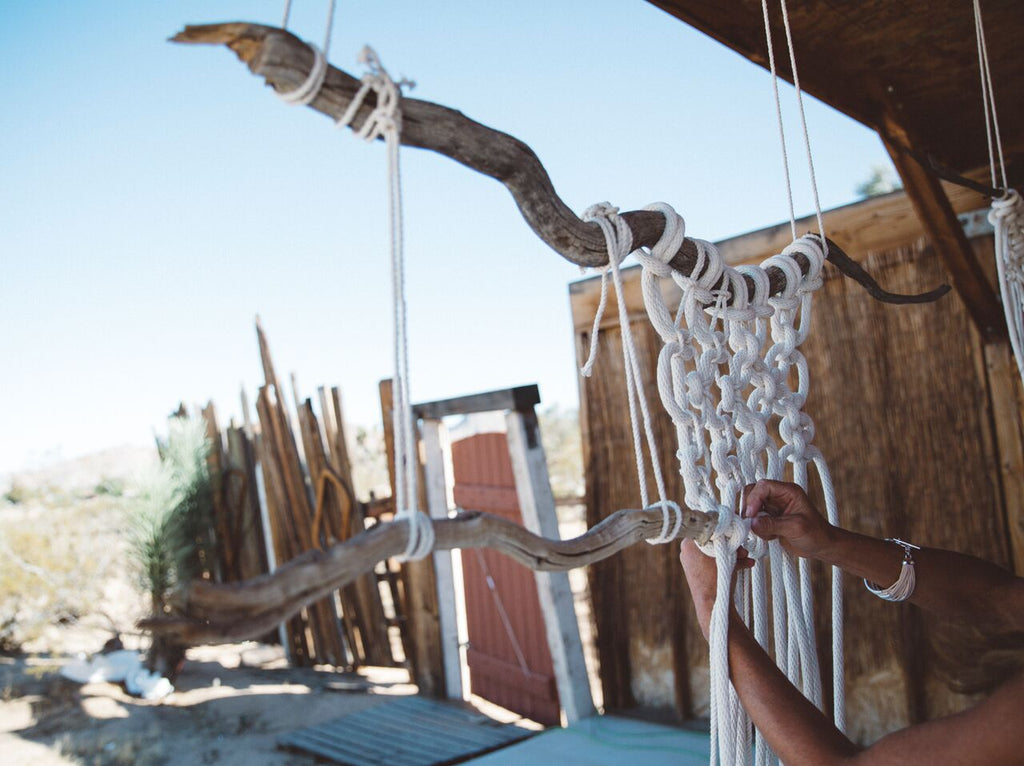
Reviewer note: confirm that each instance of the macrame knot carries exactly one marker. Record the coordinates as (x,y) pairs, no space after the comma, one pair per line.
(1005,207)
(653,264)
(386,117)
(734,530)
(758,300)
(600,210)
(809,246)
(669,243)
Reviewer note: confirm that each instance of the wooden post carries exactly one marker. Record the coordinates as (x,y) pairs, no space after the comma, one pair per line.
(946,234)
(437,503)
(423,632)
(1005,395)
(537,504)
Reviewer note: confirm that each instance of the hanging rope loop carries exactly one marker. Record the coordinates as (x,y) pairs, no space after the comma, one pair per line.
(306,93)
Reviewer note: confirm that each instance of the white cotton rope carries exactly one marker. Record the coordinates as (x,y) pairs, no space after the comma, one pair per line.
(724,376)
(328,27)
(1007,213)
(385,121)
(619,239)
(803,119)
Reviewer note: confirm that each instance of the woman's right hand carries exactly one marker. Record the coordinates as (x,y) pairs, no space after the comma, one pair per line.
(779,510)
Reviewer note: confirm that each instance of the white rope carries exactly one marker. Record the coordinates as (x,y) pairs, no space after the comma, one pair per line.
(724,376)
(619,238)
(307,92)
(988,100)
(803,119)
(329,26)
(1007,213)
(385,121)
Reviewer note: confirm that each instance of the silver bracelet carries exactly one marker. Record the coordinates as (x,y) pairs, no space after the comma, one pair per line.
(903,588)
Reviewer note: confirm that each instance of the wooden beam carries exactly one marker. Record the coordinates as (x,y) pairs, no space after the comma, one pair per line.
(1005,394)
(423,633)
(521,398)
(437,503)
(946,234)
(537,504)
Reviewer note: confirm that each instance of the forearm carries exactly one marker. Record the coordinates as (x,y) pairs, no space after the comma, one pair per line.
(795,729)
(948,583)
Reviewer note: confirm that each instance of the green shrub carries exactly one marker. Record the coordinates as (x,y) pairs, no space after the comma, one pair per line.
(169,519)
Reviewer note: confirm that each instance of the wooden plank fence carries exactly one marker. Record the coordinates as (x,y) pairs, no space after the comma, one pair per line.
(282,486)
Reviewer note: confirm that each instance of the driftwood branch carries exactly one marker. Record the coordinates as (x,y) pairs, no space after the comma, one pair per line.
(237,611)
(284,61)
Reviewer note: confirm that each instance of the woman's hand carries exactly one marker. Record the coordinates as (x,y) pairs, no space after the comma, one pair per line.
(702,578)
(782,511)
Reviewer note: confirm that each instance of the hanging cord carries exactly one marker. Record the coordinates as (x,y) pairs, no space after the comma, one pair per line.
(803,119)
(619,239)
(306,93)
(988,100)
(1007,213)
(329,27)
(778,115)
(385,121)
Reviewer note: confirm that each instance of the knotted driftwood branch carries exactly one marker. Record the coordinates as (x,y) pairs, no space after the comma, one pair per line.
(284,61)
(237,611)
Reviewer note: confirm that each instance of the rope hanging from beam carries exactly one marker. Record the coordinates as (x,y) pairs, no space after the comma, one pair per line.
(1007,213)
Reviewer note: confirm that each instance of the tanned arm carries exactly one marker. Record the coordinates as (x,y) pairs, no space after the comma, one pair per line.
(950,584)
(801,735)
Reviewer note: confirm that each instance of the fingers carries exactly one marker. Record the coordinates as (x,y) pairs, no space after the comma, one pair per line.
(764,527)
(767,496)
(691,555)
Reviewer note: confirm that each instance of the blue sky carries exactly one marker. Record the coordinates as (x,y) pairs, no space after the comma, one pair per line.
(156,197)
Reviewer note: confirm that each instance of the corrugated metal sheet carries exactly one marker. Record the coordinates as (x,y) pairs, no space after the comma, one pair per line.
(410,731)
(607,741)
(509,659)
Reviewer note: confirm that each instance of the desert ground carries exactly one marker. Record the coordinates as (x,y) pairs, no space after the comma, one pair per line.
(67,588)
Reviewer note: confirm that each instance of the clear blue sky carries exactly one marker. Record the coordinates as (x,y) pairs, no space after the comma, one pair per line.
(156,197)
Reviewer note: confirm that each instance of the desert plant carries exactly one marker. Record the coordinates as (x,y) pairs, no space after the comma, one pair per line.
(169,526)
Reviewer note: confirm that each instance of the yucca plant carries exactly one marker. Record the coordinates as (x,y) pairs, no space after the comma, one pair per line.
(169,528)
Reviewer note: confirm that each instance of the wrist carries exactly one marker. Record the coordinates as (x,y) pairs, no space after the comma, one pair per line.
(831,550)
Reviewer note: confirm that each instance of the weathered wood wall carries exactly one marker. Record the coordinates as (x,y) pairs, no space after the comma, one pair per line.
(920,422)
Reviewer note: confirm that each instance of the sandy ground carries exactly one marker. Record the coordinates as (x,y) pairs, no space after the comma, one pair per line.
(65,538)
(230,705)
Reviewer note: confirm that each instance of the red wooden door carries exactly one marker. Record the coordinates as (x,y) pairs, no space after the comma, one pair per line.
(508,655)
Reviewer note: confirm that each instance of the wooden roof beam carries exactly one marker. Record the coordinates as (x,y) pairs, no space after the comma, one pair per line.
(945,232)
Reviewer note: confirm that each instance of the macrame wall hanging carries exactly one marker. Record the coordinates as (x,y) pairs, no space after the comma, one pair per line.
(729,356)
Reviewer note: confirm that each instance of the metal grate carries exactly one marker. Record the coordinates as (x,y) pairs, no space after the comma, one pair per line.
(411,731)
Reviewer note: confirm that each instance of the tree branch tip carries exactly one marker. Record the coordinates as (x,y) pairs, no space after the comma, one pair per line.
(221,33)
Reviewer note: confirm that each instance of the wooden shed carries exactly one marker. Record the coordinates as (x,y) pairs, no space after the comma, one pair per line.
(919,418)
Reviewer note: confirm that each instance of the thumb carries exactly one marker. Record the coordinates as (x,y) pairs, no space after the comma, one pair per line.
(764,526)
